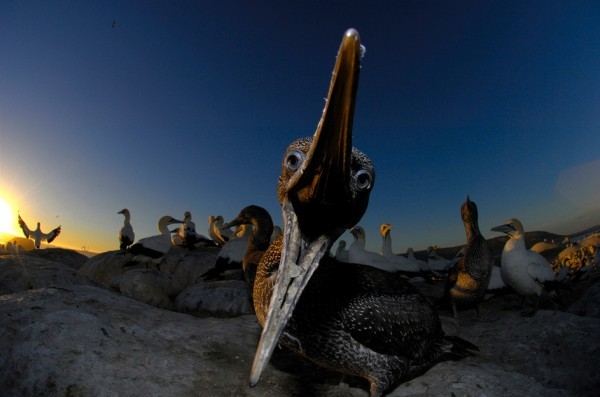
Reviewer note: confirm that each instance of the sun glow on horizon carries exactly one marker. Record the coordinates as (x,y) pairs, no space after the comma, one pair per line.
(7,218)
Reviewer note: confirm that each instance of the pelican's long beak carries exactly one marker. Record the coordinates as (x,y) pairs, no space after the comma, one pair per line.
(317,199)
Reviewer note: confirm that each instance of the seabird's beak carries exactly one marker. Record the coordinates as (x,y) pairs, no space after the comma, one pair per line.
(506,228)
(234,223)
(319,190)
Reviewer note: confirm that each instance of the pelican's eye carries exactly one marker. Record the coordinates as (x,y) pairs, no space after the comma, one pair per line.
(294,160)
(363,179)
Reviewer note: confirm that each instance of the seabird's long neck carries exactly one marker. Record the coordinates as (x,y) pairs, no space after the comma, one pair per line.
(261,235)
(515,242)
(386,249)
(163,229)
(471,229)
(360,238)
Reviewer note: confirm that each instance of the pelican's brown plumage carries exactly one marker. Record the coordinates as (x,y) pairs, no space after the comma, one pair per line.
(347,317)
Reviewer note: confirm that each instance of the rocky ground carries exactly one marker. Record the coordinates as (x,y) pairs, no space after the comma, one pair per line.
(70,326)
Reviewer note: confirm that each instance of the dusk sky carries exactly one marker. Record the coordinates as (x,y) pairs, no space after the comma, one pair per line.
(189,105)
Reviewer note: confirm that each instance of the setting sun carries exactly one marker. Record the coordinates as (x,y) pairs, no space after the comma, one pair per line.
(7,218)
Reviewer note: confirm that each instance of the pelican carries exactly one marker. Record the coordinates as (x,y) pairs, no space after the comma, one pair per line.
(525,271)
(126,234)
(37,235)
(350,318)
(402,263)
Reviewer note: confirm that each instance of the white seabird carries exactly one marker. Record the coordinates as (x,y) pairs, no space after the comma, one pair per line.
(221,233)
(126,234)
(523,270)
(37,235)
(402,263)
(496,282)
(424,266)
(438,263)
(158,245)
(231,255)
(187,235)
(358,254)
(341,254)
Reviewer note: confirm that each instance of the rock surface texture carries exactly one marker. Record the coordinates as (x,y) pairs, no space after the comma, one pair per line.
(69,333)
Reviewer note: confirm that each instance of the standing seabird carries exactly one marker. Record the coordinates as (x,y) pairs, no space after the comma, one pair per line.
(358,254)
(350,318)
(126,234)
(437,263)
(37,235)
(219,234)
(158,245)
(223,232)
(402,263)
(525,271)
(468,280)
(186,234)
(424,266)
(262,225)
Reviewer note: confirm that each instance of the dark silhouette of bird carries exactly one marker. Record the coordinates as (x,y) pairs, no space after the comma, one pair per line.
(37,235)
(126,234)
(262,225)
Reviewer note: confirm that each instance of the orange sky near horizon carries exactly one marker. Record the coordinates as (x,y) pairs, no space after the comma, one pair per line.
(9,228)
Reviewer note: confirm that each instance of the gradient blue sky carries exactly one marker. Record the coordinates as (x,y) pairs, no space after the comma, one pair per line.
(189,105)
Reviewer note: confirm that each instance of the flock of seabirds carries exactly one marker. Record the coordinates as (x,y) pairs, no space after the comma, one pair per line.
(354,312)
